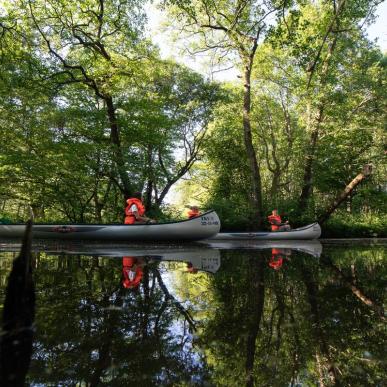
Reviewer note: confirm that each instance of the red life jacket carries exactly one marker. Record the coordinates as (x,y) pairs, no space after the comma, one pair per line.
(130,218)
(276,262)
(276,259)
(131,272)
(193,213)
(273,219)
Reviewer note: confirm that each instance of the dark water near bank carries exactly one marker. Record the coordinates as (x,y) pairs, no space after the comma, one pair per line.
(302,314)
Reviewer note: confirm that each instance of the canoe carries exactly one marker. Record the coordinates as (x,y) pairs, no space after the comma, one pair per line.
(206,250)
(311,231)
(201,258)
(201,227)
(203,250)
(311,247)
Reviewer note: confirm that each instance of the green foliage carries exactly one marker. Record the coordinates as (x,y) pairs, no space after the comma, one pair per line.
(70,157)
(61,151)
(346,225)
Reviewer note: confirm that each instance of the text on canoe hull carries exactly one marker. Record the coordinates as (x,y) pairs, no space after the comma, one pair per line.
(209,221)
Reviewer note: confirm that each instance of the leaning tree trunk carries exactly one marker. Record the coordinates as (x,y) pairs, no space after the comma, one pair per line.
(367,169)
(350,282)
(251,156)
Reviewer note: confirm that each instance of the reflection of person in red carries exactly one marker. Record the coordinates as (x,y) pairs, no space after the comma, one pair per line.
(191,269)
(132,271)
(277,257)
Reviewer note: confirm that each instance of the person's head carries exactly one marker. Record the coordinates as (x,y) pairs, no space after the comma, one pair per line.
(275,211)
(137,195)
(191,269)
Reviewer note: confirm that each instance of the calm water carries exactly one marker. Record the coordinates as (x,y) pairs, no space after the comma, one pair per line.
(287,314)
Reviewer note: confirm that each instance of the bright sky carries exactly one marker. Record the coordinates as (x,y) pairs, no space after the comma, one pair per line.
(378,30)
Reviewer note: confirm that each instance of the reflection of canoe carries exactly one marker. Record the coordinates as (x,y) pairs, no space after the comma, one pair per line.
(202,258)
(312,247)
(203,226)
(312,231)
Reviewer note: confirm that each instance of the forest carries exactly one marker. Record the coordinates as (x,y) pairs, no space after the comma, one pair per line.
(92,112)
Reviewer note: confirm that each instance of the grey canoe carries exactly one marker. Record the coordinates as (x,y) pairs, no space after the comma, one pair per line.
(206,250)
(312,247)
(311,231)
(201,227)
(201,258)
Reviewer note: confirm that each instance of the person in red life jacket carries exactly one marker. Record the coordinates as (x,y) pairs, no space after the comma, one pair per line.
(135,210)
(191,269)
(132,272)
(277,257)
(193,211)
(276,222)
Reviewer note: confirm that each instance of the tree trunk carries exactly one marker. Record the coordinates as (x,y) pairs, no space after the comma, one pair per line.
(18,316)
(126,188)
(350,282)
(254,313)
(275,185)
(105,341)
(306,191)
(149,176)
(256,198)
(325,364)
(367,169)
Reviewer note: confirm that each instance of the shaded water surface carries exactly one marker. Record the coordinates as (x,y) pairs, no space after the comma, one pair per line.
(254,314)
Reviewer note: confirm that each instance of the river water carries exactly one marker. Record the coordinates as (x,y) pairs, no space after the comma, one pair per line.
(205,314)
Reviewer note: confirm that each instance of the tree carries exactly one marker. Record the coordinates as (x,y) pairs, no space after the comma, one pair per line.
(235,29)
(321,36)
(93,44)
(111,113)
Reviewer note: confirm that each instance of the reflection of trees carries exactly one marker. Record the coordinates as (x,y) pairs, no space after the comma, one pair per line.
(18,314)
(324,362)
(232,329)
(254,310)
(307,323)
(169,297)
(351,281)
(91,330)
(310,322)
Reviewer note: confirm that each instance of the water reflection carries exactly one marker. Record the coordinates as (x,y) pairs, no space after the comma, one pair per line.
(311,247)
(207,314)
(18,314)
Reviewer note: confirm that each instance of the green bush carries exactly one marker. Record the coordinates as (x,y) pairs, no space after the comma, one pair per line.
(343,225)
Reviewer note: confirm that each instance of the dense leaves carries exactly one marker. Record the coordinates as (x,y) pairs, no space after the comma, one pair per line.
(90,112)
